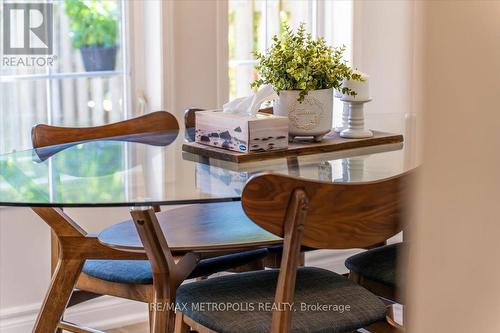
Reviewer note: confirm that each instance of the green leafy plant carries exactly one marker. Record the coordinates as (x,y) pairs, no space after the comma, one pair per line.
(92,22)
(296,61)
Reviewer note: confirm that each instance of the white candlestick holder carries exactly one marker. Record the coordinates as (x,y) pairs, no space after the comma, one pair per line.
(353,169)
(345,117)
(356,121)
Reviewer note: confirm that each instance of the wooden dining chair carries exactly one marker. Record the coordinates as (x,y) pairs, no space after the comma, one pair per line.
(105,271)
(305,213)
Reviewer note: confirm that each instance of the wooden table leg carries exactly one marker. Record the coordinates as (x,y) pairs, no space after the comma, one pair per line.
(63,281)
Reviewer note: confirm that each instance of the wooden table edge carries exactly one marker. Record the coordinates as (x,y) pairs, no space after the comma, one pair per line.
(195,248)
(221,154)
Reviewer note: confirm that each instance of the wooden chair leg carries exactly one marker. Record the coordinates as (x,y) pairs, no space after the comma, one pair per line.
(273,260)
(162,310)
(163,267)
(151,318)
(256,265)
(61,287)
(80,296)
(382,327)
(167,275)
(180,325)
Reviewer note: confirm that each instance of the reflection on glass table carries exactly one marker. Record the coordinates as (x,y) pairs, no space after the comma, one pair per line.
(113,173)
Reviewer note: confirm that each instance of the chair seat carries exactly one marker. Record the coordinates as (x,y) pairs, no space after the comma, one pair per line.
(207,302)
(378,264)
(139,271)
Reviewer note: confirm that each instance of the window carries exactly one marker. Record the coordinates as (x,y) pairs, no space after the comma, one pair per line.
(252,23)
(69,92)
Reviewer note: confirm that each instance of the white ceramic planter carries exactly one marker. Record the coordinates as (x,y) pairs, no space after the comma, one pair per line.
(311,117)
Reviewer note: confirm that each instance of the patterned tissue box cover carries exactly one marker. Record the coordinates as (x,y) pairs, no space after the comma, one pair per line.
(242,133)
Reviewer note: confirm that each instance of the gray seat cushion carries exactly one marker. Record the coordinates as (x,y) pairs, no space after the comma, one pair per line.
(254,291)
(139,271)
(378,264)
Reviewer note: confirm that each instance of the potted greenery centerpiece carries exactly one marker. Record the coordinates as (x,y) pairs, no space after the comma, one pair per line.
(304,72)
(94,27)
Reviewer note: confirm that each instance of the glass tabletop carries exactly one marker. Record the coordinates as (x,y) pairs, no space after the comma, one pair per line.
(117,173)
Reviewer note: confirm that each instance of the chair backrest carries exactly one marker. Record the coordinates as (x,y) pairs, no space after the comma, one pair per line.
(156,122)
(339,215)
(190,117)
(322,215)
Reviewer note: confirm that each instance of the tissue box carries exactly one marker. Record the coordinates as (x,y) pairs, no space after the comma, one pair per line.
(241,133)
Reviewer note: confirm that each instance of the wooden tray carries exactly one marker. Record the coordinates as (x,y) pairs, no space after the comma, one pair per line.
(331,142)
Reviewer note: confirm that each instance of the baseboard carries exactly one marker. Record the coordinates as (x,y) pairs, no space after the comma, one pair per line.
(103,313)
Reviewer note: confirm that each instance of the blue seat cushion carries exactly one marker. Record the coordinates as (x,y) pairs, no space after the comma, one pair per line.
(279,249)
(378,264)
(139,271)
(324,302)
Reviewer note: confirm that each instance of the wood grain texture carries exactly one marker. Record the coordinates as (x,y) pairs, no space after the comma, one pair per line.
(45,135)
(75,246)
(340,216)
(56,299)
(60,222)
(167,273)
(135,292)
(331,142)
(323,215)
(163,269)
(180,324)
(320,215)
(71,245)
(208,227)
(79,296)
(293,229)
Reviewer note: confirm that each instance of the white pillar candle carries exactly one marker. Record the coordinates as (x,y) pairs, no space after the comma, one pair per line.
(361,88)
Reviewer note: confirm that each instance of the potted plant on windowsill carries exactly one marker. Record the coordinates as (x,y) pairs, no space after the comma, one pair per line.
(304,72)
(94,28)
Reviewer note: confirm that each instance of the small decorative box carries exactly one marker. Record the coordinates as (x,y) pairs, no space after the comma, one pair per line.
(242,132)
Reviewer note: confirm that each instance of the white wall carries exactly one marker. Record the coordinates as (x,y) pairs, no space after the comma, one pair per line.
(455,254)
(383,48)
(195,76)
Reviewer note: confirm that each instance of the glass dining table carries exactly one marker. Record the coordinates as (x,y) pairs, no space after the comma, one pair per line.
(112,173)
(109,173)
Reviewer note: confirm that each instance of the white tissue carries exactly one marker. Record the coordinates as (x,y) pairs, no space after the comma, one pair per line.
(250,105)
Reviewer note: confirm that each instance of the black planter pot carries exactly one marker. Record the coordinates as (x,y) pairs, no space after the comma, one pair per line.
(99,58)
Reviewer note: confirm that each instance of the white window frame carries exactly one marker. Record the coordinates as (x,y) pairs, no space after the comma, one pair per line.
(49,76)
